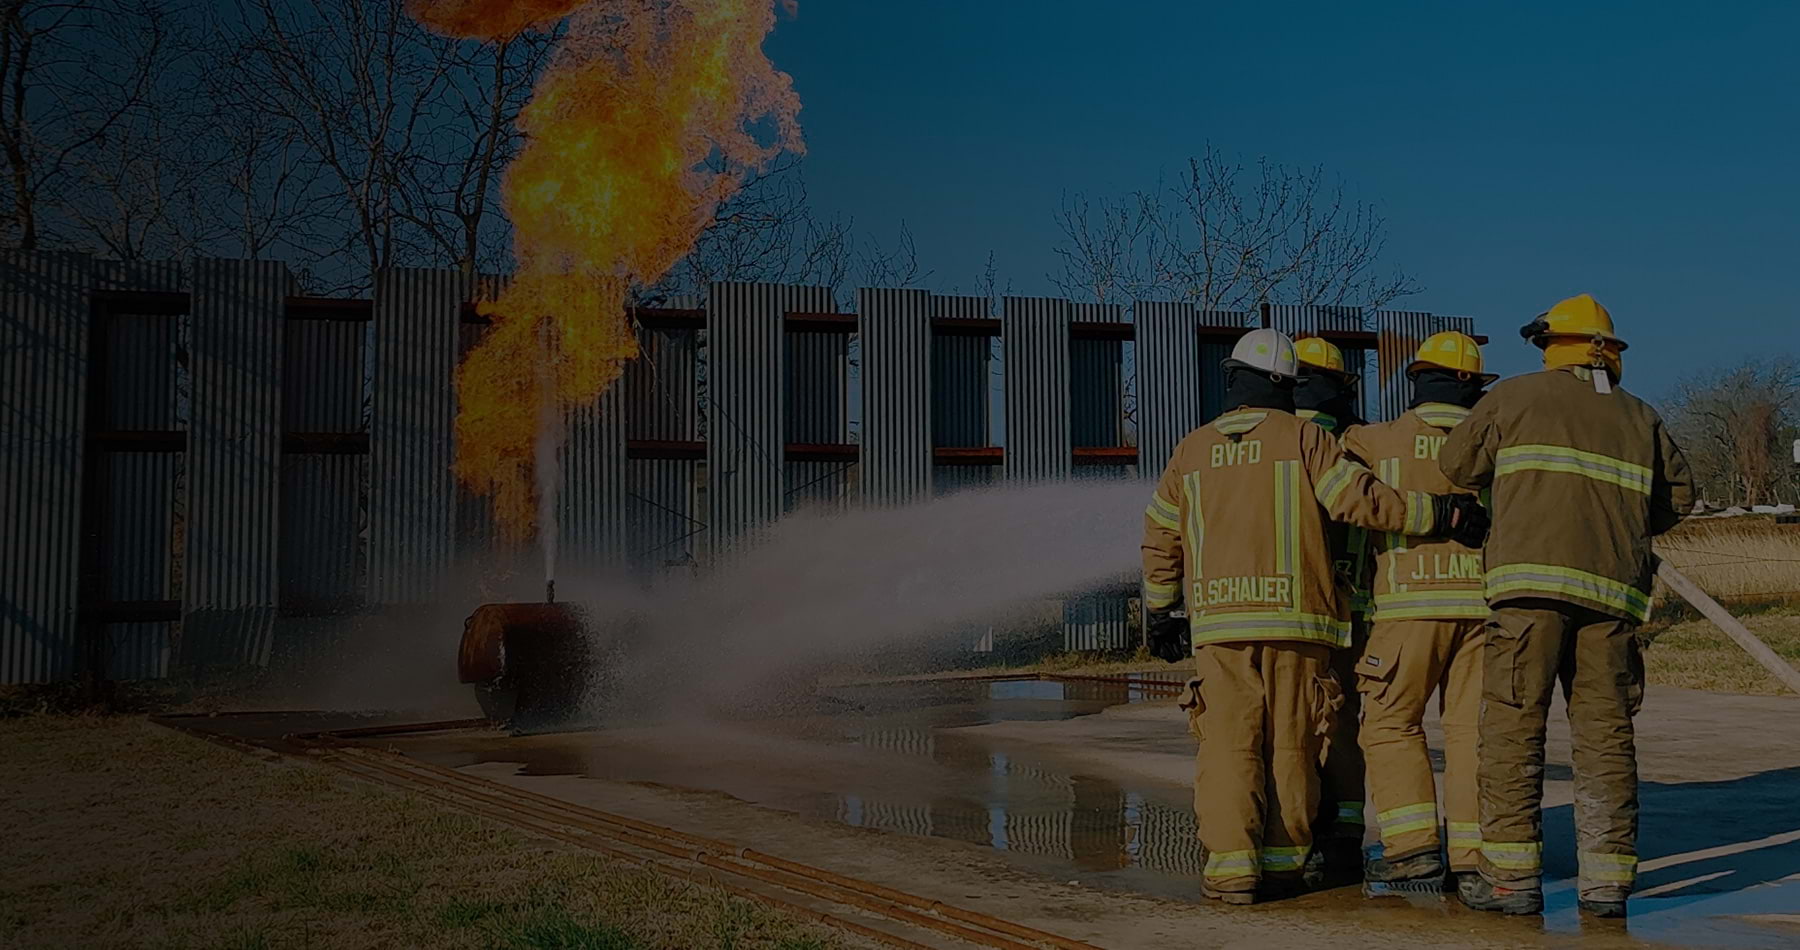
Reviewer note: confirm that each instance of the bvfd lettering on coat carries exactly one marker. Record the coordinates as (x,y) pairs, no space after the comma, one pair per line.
(1427,446)
(1237,453)
(1221,591)
(1446,567)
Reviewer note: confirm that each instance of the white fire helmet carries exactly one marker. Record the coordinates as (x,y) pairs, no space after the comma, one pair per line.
(1270,351)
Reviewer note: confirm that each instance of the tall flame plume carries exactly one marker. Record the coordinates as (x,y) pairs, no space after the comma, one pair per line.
(650,114)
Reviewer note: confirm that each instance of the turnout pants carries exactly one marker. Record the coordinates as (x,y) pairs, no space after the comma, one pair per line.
(1341,790)
(1405,662)
(1261,710)
(1530,646)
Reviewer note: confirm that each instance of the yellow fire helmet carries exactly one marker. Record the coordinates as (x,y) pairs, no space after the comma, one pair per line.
(1320,353)
(1580,317)
(1451,350)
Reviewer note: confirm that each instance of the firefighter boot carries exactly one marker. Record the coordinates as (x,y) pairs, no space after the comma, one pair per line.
(1414,874)
(1478,893)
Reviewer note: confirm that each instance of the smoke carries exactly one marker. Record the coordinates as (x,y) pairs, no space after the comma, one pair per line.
(821,587)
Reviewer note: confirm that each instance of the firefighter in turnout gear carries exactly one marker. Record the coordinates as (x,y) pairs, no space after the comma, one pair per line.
(1582,475)
(1235,533)
(1427,631)
(1329,399)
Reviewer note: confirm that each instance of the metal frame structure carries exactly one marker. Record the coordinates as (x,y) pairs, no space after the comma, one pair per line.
(195,453)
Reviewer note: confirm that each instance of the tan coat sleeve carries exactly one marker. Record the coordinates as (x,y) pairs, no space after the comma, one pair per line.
(1350,493)
(1355,448)
(1672,489)
(1467,456)
(1163,551)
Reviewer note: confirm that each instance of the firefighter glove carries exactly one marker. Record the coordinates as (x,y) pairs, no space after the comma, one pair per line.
(1461,519)
(1168,636)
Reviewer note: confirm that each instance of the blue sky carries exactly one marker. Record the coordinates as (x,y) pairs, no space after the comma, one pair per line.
(1522,152)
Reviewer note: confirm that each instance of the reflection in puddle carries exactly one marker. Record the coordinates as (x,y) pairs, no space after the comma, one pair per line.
(892,758)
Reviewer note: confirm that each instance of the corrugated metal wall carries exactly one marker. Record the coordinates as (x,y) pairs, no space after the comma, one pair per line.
(1096,381)
(663,520)
(1036,335)
(1168,383)
(746,479)
(43,374)
(816,411)
(592,504)
(412,492)
(897,346)
(962,381)
(234,459)
(321,492)
(137,503)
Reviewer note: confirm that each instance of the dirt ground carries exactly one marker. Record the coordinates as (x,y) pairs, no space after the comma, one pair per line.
(120,833)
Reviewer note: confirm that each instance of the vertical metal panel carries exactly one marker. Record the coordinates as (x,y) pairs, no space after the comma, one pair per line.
(663,522)
(1212,375)
(1399,333)
(592,503)
(816,410)
(659,387)
(1096,380)
(43,376)
(1100,620)
(960,378)
(1169,372)
(139,515)
(319,527)
(322,376)
(1294,319)
(234,455)
(897,399)
(140,275)
(744,448)
(1036,337)
(140,385)
(412,493)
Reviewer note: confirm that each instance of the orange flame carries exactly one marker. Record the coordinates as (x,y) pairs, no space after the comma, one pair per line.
(640,127)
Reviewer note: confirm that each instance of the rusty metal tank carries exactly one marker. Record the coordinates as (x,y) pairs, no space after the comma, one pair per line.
(534,666)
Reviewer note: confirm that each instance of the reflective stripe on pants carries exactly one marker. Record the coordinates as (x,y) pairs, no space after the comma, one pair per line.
(1530,647)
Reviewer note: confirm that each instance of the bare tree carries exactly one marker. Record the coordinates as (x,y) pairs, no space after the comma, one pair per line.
(766,231)
(1226,238)
(74,77)
(449,191)
(1735,426)
(357,85)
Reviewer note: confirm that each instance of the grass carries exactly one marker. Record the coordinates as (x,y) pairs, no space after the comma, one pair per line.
(123,834)
(1736,558)
(1695,654)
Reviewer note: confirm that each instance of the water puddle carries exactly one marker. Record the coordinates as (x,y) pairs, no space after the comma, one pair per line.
(893,758)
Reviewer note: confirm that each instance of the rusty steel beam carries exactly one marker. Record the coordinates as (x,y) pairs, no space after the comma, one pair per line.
(1081,330)
(159,303)
(1106,455)
(669,318)
(982,455)
(815,452)
(329,308)
(964,326)
(819,322)
(325,443)
(665,449)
